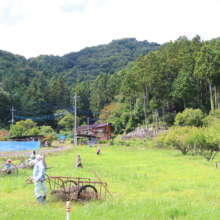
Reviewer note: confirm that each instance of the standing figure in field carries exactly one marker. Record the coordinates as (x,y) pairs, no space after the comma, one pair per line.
(39,179)
(46,144)
(98,151)
(32,157)
(78,161)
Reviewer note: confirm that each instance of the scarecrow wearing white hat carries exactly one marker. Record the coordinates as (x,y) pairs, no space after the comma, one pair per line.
(39,179)
(78,161)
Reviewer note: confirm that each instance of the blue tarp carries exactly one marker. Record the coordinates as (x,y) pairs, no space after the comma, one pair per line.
(19,145)
(62,137)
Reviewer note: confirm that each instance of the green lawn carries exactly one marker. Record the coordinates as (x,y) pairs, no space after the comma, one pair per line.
(147,183)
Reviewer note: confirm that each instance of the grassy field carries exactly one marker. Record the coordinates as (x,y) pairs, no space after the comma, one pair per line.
(147,183)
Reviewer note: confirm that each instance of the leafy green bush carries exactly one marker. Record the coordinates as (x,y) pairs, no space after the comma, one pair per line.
(134,139)
(111,142)
(83,141)
(50,138)
(102,142)
(127,144)
(160,140)
(121,143)
(176,137)
(190,117)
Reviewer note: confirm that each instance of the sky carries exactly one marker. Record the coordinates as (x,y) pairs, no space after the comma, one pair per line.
(57,27)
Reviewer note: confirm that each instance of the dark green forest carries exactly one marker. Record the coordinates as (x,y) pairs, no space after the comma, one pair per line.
(126,82)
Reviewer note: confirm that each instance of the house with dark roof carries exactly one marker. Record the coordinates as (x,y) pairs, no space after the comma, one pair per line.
(94,133)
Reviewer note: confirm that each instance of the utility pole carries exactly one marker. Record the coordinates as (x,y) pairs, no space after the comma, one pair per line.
(87,120)
(75,138)
(12,116)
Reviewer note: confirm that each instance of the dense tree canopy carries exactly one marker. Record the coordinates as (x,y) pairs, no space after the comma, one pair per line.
(145,83)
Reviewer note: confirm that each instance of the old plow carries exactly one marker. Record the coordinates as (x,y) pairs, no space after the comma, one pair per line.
(76,188)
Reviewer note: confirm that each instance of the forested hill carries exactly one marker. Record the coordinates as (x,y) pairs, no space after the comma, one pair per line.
(84,65)
(36,86)
(217,39)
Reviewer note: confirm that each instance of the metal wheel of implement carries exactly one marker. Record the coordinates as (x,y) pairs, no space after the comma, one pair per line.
(87,192)
(13,170)
(71,189)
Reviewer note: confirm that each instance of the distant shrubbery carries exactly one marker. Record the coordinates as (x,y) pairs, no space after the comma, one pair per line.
(102,142)
(82,141)
(199,133)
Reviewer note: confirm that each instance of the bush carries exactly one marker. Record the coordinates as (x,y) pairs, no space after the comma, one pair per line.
(50,139)
(160,140)
(190,117)
(134,139)
(127,144)
(102,142)
(83,141)
(121,143)
(111,142)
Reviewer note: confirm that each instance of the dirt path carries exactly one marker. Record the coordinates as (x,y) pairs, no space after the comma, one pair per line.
(57,149)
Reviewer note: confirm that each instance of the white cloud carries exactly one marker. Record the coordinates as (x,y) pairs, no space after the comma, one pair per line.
(61,26)
(3,4)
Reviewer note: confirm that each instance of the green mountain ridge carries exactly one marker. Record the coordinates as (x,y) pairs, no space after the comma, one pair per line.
(217,39)
(83,65)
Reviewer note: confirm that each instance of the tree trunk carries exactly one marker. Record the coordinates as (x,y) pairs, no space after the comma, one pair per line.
(168,107)
(130,108)
(163,115)
(156,111)
(197,88)
(211,99)
(218,97)
(172,105)
(184,103)
(134,105)
(192,105)
(216,104)
(147,94)
(145,115)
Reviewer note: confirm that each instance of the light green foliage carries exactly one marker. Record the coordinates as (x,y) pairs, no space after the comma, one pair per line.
(154,103)
(82,141)
(160,140)
(189,117)
(23,128)
(102,142)
(212,117)
(129,126)
(46,130)
(67,122)
(176,137)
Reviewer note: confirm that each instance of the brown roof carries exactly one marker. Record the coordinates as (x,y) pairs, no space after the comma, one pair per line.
(85,135)
(92,126)
(85,127)
(102,125)
(33,136)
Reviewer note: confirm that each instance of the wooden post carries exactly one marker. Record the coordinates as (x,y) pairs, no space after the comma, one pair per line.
(102,184)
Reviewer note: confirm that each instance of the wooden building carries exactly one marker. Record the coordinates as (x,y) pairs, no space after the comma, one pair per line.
(95,132)
(27,138)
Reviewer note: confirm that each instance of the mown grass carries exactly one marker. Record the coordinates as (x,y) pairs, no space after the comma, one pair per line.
(147,183)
